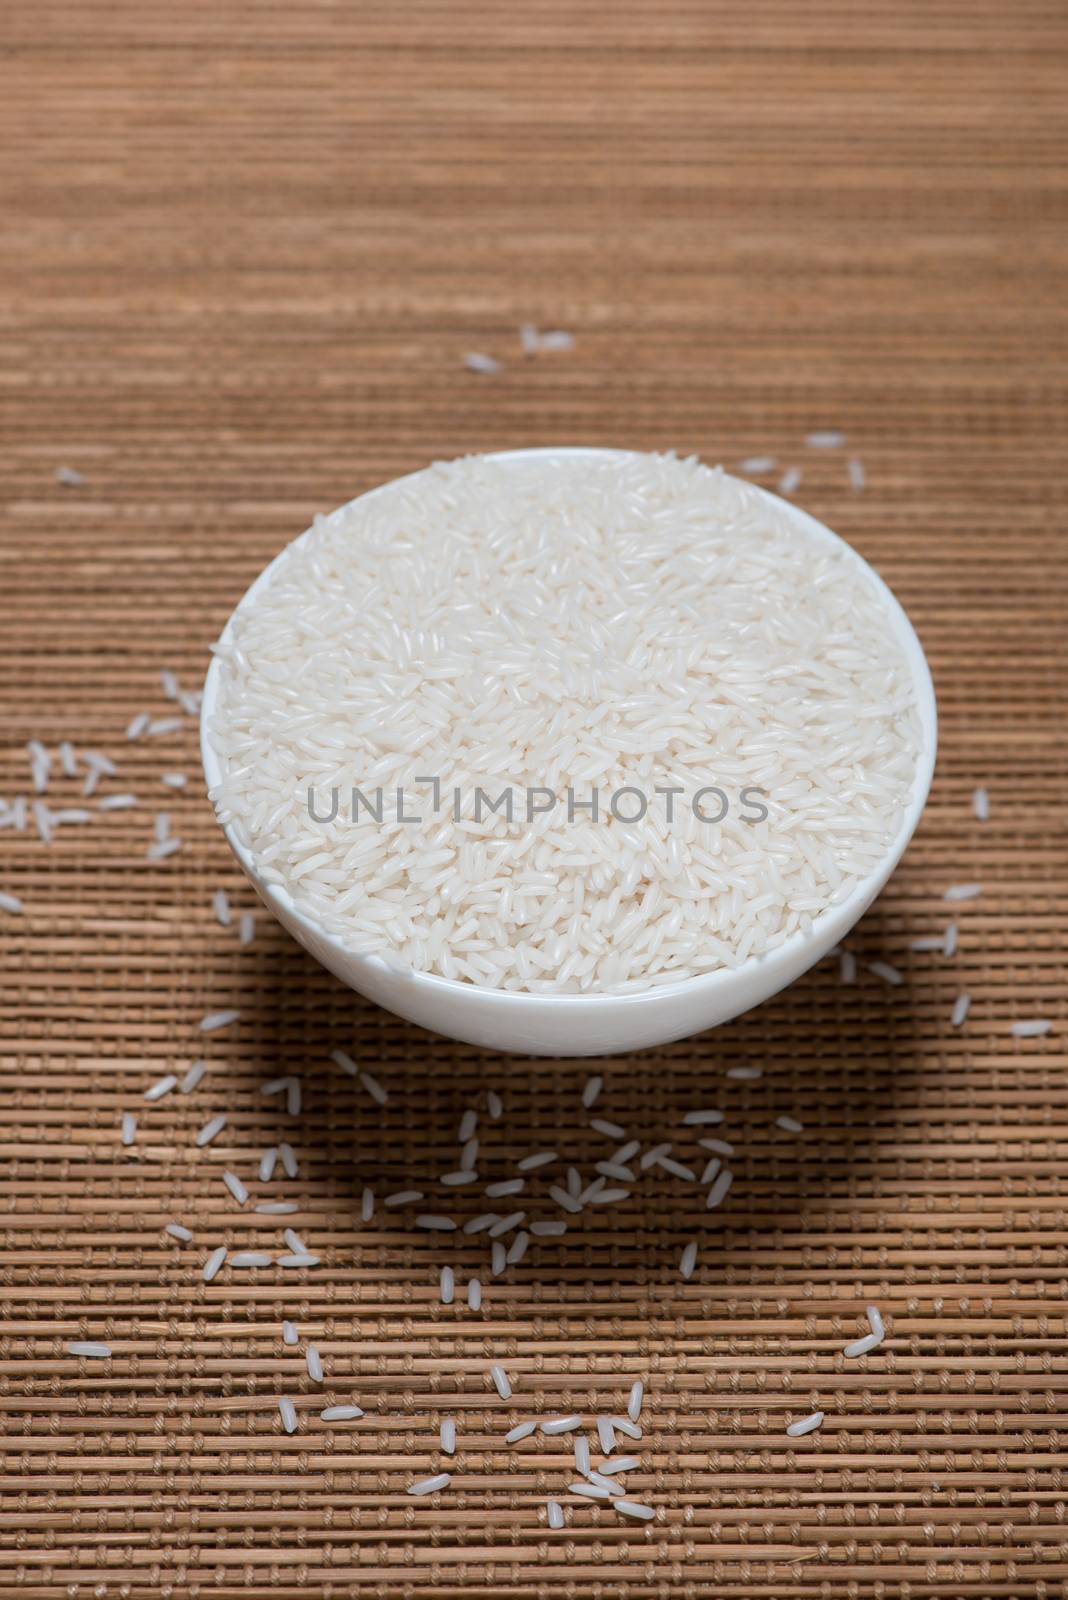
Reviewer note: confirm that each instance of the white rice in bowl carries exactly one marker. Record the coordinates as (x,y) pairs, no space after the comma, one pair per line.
(627,622)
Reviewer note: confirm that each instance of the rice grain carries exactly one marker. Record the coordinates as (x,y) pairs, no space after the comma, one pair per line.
(804,1425)
(213,1263)
(501,1382)
(440,1480)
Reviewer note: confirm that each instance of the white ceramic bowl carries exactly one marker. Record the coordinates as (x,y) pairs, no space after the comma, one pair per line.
(583,1025)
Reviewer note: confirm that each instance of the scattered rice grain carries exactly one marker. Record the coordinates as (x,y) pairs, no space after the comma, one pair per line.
(236,1187)
(163,849)
(541,1159)
(218,1019)
(624,1425)
(561,1424)
(440,1480)
(634,1508)
(213,1263)
(591,1091)
(479,1224)
(374,1088)
(193,1076)
(498,1191)
(501,1382)
(162,1086)
(861,1347)
(611,1130)
(804,1425)
(506,1224)
(719,1147)
(676,1168)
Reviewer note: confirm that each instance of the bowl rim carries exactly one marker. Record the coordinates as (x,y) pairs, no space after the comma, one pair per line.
(704,983)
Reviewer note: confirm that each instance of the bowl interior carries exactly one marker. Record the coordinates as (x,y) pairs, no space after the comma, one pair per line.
(827,928)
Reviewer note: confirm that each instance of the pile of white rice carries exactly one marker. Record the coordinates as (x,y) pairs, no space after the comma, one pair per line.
(636,622)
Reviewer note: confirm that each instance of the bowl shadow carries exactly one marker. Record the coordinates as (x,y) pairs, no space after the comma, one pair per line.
(839,1058)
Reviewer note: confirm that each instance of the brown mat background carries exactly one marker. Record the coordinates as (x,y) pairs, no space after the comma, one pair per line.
(245,246)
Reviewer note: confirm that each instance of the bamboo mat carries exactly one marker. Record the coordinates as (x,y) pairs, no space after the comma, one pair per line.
(245,247)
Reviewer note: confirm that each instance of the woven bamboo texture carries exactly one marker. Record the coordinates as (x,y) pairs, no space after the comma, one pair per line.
(245,248)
